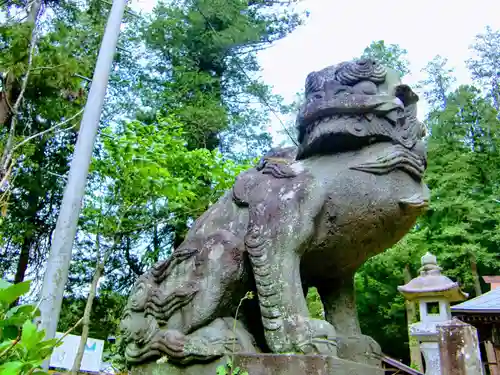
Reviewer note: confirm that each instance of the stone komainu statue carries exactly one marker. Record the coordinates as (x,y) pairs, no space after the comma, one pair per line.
(303,217)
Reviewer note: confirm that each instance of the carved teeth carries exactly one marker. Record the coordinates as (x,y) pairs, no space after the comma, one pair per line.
(392,116)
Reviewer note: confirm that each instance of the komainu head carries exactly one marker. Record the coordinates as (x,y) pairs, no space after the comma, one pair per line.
(354,104)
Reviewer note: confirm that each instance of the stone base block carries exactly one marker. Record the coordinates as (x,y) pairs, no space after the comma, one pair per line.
(267,364)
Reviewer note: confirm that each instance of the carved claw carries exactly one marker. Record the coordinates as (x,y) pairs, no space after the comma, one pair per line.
(170,343)
(206,344)
(137,328)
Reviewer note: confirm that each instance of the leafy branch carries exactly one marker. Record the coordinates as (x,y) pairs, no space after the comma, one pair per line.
(8,149)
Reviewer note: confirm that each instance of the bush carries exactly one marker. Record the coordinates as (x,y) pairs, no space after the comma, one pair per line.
(22,346)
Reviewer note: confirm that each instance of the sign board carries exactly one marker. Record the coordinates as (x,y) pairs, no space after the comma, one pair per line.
(64,355)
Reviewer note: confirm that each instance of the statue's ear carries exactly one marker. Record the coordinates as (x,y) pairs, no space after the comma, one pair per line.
(406,95)
(313,83)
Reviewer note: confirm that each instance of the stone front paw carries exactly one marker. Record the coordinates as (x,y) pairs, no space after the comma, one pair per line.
(168,343)
(314,336)
(135,327)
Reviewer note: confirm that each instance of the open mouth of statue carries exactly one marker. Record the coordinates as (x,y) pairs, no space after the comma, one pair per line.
(348,122)
(333,134)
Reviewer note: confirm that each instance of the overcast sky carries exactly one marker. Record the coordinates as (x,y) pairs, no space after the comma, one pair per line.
(339,30)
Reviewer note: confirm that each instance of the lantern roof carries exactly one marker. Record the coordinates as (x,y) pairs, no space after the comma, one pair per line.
(432,284)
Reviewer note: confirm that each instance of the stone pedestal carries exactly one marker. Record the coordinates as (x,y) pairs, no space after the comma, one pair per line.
(267,364)
(430,351)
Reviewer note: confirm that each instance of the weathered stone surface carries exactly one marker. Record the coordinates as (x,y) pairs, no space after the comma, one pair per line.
(459,349)
(359,349)
(303,217)
(267,364)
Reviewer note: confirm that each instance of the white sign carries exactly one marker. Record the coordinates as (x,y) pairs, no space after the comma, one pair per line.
(64,355)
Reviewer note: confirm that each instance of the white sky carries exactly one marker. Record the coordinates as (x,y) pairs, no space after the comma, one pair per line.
(339,30)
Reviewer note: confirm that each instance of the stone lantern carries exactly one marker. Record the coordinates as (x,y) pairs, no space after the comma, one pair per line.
(433,292)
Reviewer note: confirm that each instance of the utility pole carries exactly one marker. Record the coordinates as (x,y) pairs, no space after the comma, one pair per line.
(59,260)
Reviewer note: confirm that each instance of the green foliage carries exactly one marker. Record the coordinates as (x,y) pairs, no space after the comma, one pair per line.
(485,65)
(392,56)
(152,161)
(229,370)
(314,304)
(55,91)
(22,346)
(438,82)
(209,49)
(463,177)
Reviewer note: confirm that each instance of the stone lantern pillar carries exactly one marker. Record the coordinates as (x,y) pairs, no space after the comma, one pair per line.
(433,292)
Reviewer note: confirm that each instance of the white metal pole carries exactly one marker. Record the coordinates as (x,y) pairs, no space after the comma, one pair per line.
(59,260)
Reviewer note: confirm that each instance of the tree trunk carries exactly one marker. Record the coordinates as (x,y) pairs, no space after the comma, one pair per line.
(99,270)
(86,314)
(22,263)
(411,314)
(6,98)
(180,232)
(475,275)
(132,262)
(24,257)
(86,319)
(30,233)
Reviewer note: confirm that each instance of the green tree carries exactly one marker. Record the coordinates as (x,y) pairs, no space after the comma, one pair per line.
(463,179)
(43,133)
(392,56)
(207,49)
(45,95)
(438,82)
(485,65)
(200,67)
